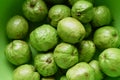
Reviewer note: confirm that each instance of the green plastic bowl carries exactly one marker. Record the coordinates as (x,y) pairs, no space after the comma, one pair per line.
(9,8)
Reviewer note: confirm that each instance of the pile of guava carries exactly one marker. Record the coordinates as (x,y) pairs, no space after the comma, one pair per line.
(63,40)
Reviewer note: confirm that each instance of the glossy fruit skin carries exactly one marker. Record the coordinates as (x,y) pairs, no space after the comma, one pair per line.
(25,72)
(102,16)
(86,50)
(17,27)
(71,30)
(88,29)
(109,61)
(18,52)
(44,38)
(106,37)
(45,64)
(35,10)
(58,12)
(67,54)
(83,11)
(81,71)
(95,65)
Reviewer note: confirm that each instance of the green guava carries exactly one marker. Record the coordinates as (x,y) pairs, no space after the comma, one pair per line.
(106,37)
(35,10)
(44,38)
(70,30)
(65,55)
(95,65)
(18,52)
(25,72)
(102,16)
(109,61)
(83,11)
(58,12)
(87,50)
(81,71)
(17,27)
(45,64)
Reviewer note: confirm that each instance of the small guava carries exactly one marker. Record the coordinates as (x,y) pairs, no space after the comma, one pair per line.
(45,64)
(18,52)
(25,72)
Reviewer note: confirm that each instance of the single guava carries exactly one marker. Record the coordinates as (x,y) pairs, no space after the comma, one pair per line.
(58,12)
(109,61)
(35,10)
(44,37)
(86,50)
(65,55)
(81,71)
(95,65)
(25,72)
(45,64)
(102,16)
(17,27)
(70,30)
(63,78)
(18,52)
(106,37)
(83,11)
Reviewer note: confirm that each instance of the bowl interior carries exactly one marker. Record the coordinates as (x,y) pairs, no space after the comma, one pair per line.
(10,8)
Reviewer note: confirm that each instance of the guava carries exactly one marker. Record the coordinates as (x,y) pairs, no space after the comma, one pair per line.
(81,71)
(18,52)
(70,30)
(44,37)
(35,10)
(58,12)
(71,2)
(25,72)
(67,54)
(109,61)
(86,50)
(63,78)
(95,65)
(45,64)
(83,11)
(106,37)
(17,27)
(102,16)
(47,78)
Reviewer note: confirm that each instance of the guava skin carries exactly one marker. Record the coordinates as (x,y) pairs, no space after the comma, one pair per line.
(45,64)
(70,30)
(63,78)
(17,27)
(58,12)
(109,61)
(106,37)
(95,65)
(44,38)
(81,71)
(102,16)
(67,54)
(35,10)
(48,78)
(83,11)
(25,72)
(86,50)
(18,52)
